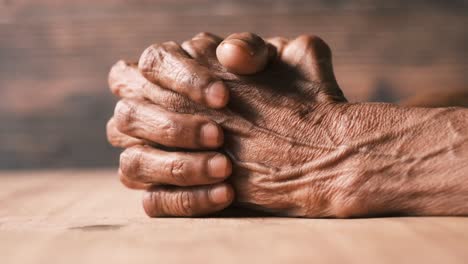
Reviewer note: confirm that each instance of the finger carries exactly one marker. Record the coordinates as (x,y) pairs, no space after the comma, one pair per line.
(132,184)
(123,81)
(119,139)
(278,43)
(243,53)
(148,121)
(312,56)
(126,81)
(169,66)
(202,47)
(192,201)
(145,164)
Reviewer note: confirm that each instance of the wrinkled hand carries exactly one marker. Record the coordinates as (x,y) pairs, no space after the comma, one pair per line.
(277,128)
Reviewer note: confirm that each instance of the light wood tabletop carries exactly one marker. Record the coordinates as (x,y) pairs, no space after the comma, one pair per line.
(88,217)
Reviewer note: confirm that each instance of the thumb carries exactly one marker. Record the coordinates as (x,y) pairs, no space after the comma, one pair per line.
(244,53)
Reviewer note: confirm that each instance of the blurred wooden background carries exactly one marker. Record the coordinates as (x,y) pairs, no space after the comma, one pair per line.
(55,55)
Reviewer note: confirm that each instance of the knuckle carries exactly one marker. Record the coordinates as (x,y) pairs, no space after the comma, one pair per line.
(112,78)
(118,139)
(125,115)
(124,180)
(129,183)
(171,132)
(192,78)
(187,44)
(160,202)
(110,132)
(184,203)
(151,58)
(130,162)
(189,47)
(178,171)
(316,44)
(151,204)
(148,59)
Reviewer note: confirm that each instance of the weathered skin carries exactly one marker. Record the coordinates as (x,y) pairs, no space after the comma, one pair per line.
(297,147)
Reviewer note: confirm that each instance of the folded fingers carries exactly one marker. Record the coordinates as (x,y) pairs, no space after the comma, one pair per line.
(119,139)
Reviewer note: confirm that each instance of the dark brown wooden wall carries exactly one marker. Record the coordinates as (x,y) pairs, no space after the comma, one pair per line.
(55,55)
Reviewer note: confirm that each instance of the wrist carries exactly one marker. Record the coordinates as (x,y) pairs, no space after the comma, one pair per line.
(407,161)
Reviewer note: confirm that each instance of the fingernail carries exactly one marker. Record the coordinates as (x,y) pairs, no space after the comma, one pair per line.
(219,166)
(209,135)
(217,95)
(248,47)
(220,194)
(243,54)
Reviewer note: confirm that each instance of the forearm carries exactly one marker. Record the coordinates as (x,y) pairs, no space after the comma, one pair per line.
(411,160)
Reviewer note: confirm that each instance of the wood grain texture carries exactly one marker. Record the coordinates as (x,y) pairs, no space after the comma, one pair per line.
(87,217)
(55,55)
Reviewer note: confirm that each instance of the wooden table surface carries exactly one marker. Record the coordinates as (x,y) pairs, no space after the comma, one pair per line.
(87,217)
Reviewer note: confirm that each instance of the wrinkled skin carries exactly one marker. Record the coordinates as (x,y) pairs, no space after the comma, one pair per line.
(297,148)
(280,108)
